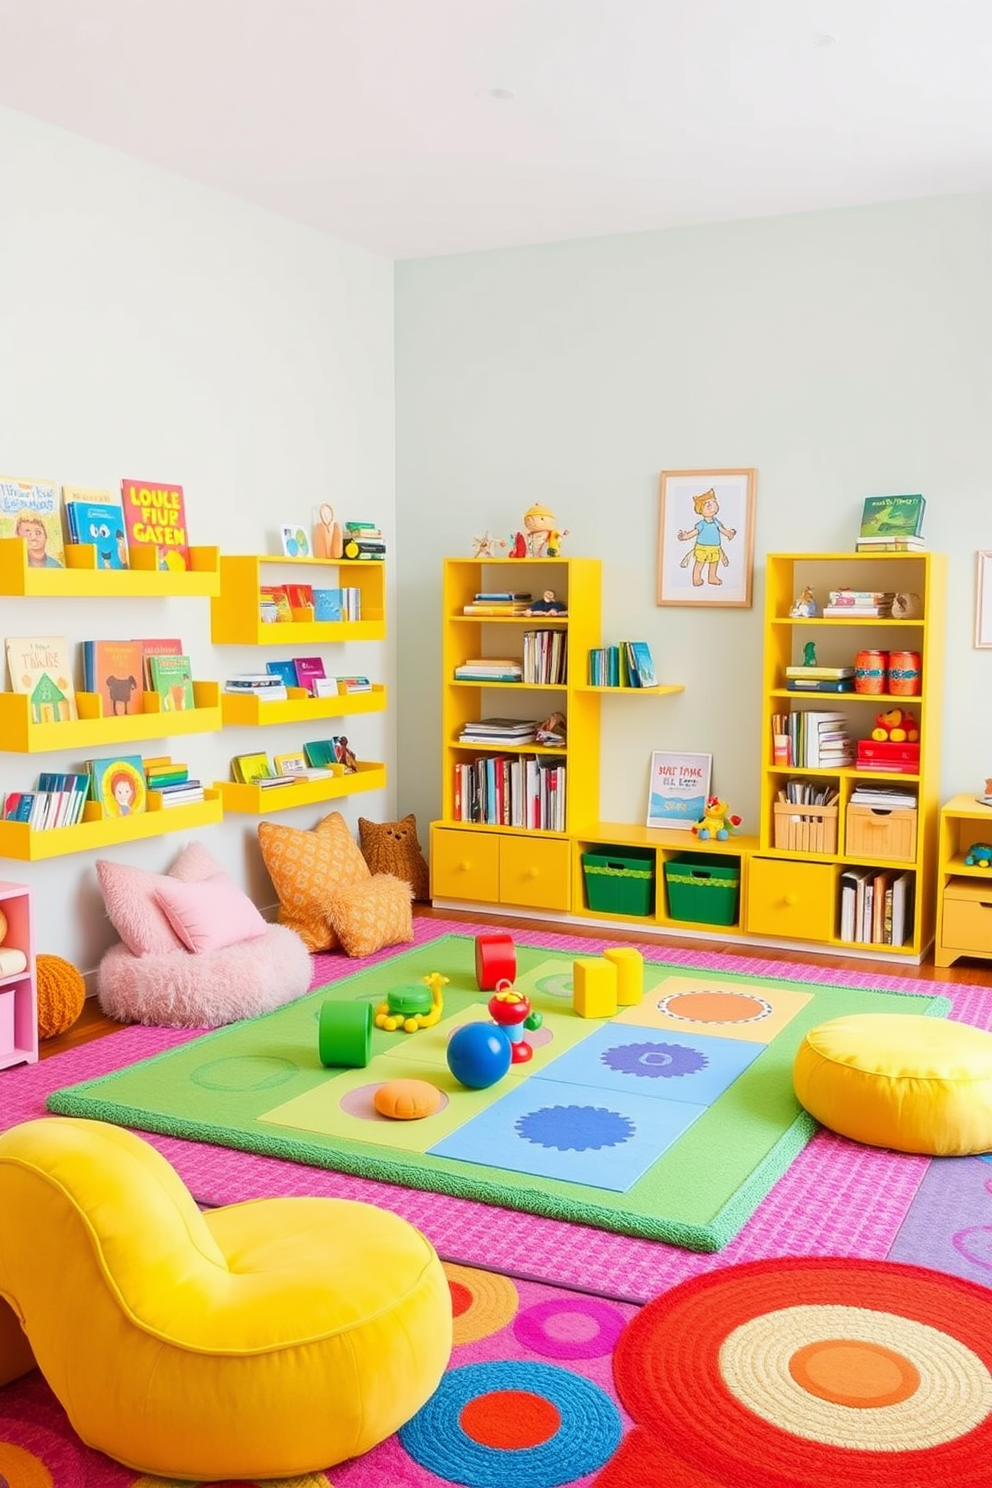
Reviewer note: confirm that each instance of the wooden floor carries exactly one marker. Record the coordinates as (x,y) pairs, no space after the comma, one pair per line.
(93,1024)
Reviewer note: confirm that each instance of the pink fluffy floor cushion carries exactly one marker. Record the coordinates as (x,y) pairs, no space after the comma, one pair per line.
(180,989)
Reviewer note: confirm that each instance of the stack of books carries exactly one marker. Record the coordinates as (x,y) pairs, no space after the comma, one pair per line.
(265,686)
(171,780)
(875,906)
(892,524)
(489,669)
(545,657)
(345,685)
(522,791)
(812,741)
(885,757)
(498,604)
(857,604)
(627,664)
(819,678)
(256,769)
(363,540)
(499,731)
(884,797)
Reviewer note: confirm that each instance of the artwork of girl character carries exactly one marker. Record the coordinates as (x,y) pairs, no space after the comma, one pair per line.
(124,792)
(707,550)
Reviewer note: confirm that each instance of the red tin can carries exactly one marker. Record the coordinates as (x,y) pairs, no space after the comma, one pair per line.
(904,676)
(870,671)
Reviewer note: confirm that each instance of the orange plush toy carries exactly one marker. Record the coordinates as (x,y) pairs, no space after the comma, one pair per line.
(897,725)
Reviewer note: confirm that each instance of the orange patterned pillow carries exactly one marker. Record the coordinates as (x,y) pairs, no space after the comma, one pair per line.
(371,915)
(306,868)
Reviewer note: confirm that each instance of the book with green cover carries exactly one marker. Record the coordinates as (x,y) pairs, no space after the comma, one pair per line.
(172,679)
(892,516)
(247,768)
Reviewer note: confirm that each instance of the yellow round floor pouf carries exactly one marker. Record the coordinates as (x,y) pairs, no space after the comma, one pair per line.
(61,994)
(903,1081)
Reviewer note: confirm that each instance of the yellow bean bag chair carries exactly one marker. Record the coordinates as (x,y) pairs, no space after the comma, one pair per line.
(266,1339)
(903,1081)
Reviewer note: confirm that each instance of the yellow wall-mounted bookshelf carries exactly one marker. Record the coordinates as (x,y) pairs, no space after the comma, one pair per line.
(300,707)
(92,729)
(235,619)
(18,840)
(257,800)
(82,579)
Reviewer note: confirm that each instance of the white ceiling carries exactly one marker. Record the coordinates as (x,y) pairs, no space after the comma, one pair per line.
(375,120)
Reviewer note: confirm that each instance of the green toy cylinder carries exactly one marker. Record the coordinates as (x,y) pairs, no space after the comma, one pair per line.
(345,1034)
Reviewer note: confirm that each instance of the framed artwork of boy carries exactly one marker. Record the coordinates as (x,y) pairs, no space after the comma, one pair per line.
(706,537)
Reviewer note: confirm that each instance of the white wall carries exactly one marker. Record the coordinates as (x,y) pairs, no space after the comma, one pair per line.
(841,353)
(157,330)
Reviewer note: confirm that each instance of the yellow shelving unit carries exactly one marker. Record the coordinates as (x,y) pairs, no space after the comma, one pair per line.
(496,864)
(234,612)
(964,890)
(235,620)
(81,579)
(795,895)
(18,840)
(92,729)
(256,800)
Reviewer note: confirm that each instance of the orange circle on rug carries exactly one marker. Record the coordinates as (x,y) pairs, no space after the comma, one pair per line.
(856,1372)
(22,1468)
(486,1302)
(510,1420)
(704,1370)
(716,1007)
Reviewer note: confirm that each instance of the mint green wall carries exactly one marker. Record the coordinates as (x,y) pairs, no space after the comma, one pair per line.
(840,353)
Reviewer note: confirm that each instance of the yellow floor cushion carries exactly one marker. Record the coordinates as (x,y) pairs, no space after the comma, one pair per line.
(904,1081)
(265,1339)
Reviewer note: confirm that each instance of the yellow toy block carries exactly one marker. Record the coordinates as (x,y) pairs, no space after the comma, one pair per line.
(594,988)
(630,973)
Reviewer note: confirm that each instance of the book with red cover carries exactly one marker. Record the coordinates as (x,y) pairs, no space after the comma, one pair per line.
(308,670)
(155,516)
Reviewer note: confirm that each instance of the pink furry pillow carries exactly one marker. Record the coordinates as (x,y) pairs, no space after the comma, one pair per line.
(209,915)
(130,898)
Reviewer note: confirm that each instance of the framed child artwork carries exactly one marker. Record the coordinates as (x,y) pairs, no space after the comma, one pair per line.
(706,537)
(680,784)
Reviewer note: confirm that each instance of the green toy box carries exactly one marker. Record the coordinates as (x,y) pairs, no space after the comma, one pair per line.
(703,888)
(620,881)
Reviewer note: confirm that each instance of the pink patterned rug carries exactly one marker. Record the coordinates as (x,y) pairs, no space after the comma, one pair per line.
(837,1198)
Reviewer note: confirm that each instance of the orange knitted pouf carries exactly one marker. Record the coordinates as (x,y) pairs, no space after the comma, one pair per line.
(61,994)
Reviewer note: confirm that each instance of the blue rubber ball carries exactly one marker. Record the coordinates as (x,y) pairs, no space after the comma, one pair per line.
(478,1055)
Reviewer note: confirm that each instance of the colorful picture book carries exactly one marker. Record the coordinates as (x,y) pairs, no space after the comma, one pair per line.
(40,669)
(247,768)
(889,517)
(680,784)
(156,646)
(294,763)
(300,596)
(640,665)
(112,669)
(328,604)
(322,753)
(155,516)
(285,671)
(309,671)
(172,679)
(118,784)
(273,604)
(32,510)
(96,518)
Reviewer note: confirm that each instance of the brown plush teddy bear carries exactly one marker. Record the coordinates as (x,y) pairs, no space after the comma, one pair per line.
(392,847)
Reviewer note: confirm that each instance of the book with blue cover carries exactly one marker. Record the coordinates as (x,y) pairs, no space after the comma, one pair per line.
(285,670)
(95,518)
(328,604)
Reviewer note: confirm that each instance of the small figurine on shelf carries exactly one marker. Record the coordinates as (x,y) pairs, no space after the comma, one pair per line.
(486,545)
(717,822)
(805,606)
(542,536)
(896,725)
(548,605)
(552,730)
(327,538)
(979,855)
(518,546)
(346,756)
(809,654)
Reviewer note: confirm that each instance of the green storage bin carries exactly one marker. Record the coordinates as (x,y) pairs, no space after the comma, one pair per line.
(703,887)
(620,881)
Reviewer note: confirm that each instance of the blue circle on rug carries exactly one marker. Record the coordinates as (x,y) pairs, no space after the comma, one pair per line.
(589,1433)
(654,1061)
(575,1128)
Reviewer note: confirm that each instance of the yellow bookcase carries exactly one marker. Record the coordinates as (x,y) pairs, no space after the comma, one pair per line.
(81,579)
(794,879)
(964,890)
(496,864)
(235,619)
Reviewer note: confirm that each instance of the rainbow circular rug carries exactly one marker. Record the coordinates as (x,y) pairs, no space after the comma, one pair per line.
(808,1373)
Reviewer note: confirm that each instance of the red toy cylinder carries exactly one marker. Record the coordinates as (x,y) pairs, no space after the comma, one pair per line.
(495,961)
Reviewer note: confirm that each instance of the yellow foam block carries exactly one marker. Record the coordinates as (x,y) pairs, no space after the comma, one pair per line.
(630,973)
(594,988)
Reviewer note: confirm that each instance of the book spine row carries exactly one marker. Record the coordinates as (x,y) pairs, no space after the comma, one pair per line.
(524,791)
(545,657)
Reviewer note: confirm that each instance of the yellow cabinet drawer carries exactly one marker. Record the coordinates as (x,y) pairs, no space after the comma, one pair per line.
(535,872)
(880,834)
(791,900)
(465,865)
(967,922)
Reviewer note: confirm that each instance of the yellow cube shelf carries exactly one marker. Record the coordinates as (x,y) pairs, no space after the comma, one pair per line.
(235,619)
